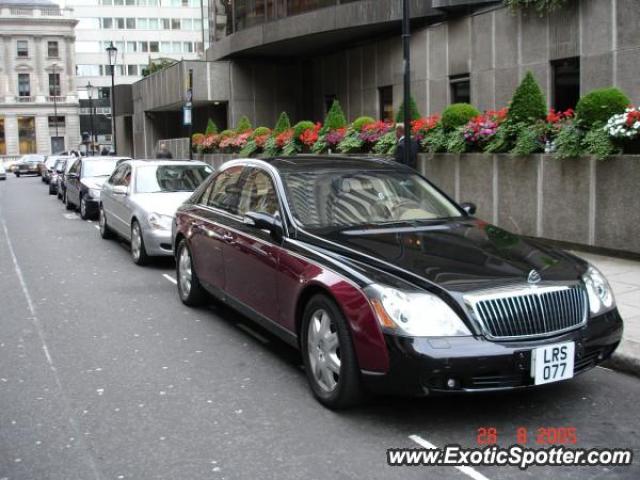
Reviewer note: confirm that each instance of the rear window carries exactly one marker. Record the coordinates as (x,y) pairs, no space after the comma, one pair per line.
(170,178)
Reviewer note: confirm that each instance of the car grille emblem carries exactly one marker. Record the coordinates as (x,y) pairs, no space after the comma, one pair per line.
(534,277)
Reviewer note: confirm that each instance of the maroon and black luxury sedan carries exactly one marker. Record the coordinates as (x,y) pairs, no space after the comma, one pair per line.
(387,285)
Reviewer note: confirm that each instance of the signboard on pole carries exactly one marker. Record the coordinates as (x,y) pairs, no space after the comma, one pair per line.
(186,114)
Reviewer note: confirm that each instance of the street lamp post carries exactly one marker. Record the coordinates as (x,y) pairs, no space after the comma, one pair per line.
(406,39)
(112,52)
(55,70)
(90,91)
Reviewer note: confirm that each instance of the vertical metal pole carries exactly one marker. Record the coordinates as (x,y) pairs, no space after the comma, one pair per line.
(406,52)
(93,132)
(56,88)
(113,109)
(192,115)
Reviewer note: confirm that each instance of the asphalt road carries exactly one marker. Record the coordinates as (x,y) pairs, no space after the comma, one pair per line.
(104,374)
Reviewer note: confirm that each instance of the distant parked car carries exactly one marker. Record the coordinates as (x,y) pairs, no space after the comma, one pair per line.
(47,167)
(56,172)
(28,165)
(3,172)
(139,201)
(62,176)
(83,183)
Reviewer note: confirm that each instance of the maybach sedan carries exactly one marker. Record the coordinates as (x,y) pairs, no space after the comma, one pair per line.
(385,284)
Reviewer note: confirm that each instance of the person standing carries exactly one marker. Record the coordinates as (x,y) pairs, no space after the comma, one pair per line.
(164,152)
(400,148)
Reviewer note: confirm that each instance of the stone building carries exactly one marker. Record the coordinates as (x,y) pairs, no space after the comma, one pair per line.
(266,56)
(38,101)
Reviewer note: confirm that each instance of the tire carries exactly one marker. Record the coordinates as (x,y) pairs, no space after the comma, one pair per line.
(18,174)
(328,354)
(190,290)
(105,231)
(84,212)
(138,251)
(52,191)
(68,205)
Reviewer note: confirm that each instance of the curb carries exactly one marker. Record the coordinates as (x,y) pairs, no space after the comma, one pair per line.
(623,361)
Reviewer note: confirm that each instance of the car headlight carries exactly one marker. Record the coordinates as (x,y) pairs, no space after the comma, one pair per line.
(160,222)
(94,193)
(414,314)
(599,291)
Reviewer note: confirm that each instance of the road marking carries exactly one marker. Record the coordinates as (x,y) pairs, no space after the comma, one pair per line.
(70,216)
(170,278)
(97,227)
(252,332)
(605,368)
(466,470)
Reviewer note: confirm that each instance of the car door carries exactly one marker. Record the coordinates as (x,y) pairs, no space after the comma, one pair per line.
(250,254)
(218,203)
(106,196)
(72,182)
(120,208)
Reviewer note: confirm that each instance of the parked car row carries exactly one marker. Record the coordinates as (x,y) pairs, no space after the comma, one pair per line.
(383,282)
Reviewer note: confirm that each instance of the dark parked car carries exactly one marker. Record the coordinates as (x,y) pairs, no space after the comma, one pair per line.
(46,168)
(385,283)
(56,172)
(61,190)
(28,165)
(83,183)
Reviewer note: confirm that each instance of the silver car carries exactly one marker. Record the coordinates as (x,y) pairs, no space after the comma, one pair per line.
(138,202)
(3,172)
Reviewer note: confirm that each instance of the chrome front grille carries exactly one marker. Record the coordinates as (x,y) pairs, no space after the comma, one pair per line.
(532,311)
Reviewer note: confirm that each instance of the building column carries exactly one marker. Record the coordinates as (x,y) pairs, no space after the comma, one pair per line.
(11,133)
(39,84)
(9,73)
(72,131)
(43,136)
(69,72)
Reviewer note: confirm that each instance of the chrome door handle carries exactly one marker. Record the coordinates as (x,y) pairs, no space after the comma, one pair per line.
(227,237)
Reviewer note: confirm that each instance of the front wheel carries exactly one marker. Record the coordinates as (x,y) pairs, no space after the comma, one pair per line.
(138,251)
(105,231)
(329,358)
(67,203)
(84,209)
(189,288)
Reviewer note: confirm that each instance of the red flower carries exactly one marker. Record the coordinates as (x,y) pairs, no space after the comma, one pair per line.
(310,136)
(420,127)
(555,117)
(283,138)
(632,117)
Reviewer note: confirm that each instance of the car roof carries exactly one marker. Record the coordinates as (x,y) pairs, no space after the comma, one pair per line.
(315,162)
(138,162)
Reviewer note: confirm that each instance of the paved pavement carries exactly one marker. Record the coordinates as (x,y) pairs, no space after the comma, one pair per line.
(624,277)
(104,374)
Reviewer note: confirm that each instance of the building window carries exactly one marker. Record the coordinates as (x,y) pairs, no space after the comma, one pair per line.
(52,49)
(131,23)
(187,24)
(154,47)
(56,121)
(143,23)
(3,143)
(132,47)
(54,84)
(385,98)
(27,135)
(144,47)
(22,48)
(118,2)
(460,88)
(153,24)
(24,85)
(175,24)
(188,47)
(103,92)
(107,23)
(130,2)
(566,83)
(106,2)
(166,23)
(132,70)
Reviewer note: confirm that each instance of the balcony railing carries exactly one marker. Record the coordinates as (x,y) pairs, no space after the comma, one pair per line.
(25,99)
(55,98)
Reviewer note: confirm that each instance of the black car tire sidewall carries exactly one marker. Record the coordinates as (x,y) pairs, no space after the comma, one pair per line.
(105,232)
(143,258)
(83,214)
(349,390)
(197,295)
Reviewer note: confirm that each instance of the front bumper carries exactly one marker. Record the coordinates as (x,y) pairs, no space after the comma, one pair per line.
(419,366)
(93,206)
(157,242)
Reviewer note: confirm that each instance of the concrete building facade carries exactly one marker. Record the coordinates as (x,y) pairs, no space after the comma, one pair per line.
(38,100)
(297,56)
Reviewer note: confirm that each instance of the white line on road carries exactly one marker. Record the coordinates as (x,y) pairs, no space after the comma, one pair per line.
(97,227)
(170,278)
(466,470)
(252,332)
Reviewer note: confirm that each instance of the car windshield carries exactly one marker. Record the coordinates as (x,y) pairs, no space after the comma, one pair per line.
(170,178)
(51,161)
(99,168)
(342,198)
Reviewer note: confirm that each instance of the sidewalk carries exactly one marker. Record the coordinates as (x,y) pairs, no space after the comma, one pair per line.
(624,277)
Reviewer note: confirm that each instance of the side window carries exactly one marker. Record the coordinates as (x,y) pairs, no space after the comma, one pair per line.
(76,167)
(116,176)
(225,193)
(258,194)
(126,176)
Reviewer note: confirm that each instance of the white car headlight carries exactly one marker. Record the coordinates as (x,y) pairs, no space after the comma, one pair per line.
(414,314)
(94,193)
(599,291)
(160,222)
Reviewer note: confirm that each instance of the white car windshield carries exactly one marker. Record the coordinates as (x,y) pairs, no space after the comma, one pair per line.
(99,168)
(170,178)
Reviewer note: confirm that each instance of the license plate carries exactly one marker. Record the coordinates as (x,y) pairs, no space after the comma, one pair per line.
(552,363)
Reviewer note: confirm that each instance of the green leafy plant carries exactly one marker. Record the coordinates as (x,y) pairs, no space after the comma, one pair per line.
(599,105)
(529,139)
(436,140)
(156,65)
(212,128)
(414,113)
(259,131)
(351,142)
(597,142)
(249,149)
(541,6)
(335,118)
(282,124)
(457,115)
(244,125)
(568,142)
(270,147)
(386,144)
(300,127)
(360,122)
(456,142)
(528,104)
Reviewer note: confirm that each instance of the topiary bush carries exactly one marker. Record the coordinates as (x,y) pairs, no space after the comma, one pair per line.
(414,113)
(259,131)
(457,115)
(282,124)
(335,118)
(360,122)
(528,103)
(212,128)
(300,127)
(244,125)
(600,105)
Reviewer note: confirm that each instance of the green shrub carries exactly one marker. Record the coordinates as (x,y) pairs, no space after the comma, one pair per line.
(212,128)
(528,140)
(458,115)
(360,122)
(227,133)
(599,105)
(456,142)
(568,142)
(259,131)
(248,149)
(335,118)
(270,147)
(351,142)
(542,6)
(436,140)
(300,127)
(282,124)
(244,125)
(598,143)
(386,144)
(414,113)
(528,103)
(504,139)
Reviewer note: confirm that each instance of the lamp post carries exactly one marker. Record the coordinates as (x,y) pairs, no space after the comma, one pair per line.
(406,53)
(112,53)
(55,70)
(90,92)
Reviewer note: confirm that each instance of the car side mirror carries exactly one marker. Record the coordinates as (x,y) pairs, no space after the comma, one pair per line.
(264,221)
(469,207)
(120,190)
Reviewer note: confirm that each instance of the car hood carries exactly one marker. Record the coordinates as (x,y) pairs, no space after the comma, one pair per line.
(94,182)
(164,203)
(460,255)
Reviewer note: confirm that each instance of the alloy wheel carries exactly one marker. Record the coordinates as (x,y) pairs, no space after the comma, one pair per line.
(323,349)
(102,221)
(136,241)
(83,208)
(184,270)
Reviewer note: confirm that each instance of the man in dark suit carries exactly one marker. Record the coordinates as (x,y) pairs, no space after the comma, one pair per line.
(400,149)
